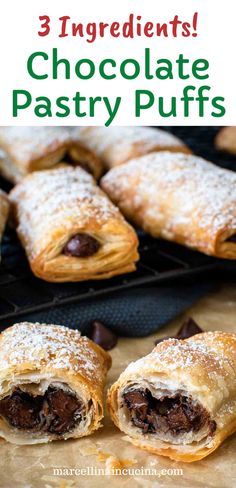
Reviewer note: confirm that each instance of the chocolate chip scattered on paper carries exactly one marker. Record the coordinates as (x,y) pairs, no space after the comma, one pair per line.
(189,328)
(103,336)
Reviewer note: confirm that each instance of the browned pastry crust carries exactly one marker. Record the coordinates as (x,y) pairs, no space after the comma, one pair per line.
(51,383)
(179,197)
(70,229)
(116,145)
(226,140)
(27,149)
(4,211)
(180,400)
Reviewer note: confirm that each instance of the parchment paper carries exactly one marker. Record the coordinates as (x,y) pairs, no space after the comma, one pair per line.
(32,466)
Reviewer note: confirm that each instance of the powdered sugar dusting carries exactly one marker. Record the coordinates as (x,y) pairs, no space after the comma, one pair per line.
(58,200)
(208,357)
(209,347)
(24,144)
(116,144)
(201,196)
(52,346)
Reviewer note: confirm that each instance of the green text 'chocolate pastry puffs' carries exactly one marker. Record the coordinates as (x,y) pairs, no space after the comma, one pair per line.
(179,197)
(226,140)
(70,229)
(116,145)
(180,400)
(51,383)
(27,149)
(4,210)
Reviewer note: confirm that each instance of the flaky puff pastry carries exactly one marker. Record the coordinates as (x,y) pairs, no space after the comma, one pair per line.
(180,400)
(51,383)
(116,145)
(54,207)
(226,140)
(27,149)
(4,211)
(179,197)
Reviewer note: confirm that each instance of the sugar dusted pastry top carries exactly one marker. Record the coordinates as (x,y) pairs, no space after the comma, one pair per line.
(117,144)
(210,357)
(51,347)
(126,135)
(68,194)
(29,143)
(209,194)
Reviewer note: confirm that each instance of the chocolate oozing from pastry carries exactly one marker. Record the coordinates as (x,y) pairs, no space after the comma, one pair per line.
(174,415)
(56,412)
(81,246)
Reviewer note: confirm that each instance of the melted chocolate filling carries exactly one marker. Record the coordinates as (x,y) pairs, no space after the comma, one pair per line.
(81,246)
(57,411)
(174,415)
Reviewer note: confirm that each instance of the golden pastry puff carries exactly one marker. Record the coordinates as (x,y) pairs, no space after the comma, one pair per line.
(180,400)
(51,383)
(178,197)
(70,229)
(116,145)
(27,149)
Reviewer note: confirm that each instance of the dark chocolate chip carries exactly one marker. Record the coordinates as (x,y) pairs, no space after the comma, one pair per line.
(103,336)
(81,246)
(188,329)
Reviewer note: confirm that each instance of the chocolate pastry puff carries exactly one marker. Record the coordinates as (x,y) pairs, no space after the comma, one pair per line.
(51,383)
(226,140)
(4,210)
(27,149)
(70,229)
(178,197)
(116,145)
(180,400)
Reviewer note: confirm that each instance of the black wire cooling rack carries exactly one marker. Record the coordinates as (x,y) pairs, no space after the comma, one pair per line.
(21,294)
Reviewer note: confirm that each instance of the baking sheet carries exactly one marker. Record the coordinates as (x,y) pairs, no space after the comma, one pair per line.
(33,466)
